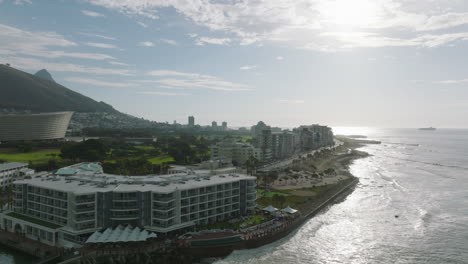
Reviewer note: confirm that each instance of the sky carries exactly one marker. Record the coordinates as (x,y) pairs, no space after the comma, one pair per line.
(375,63)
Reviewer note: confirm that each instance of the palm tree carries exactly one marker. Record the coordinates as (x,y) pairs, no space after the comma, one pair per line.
(252,164)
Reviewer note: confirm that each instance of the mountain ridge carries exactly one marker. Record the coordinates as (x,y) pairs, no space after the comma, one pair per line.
(27,92)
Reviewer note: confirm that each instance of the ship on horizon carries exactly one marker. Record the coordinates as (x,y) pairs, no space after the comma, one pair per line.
(427,128)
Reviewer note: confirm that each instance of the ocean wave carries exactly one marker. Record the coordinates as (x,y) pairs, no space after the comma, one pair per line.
(429,163)
(403,144)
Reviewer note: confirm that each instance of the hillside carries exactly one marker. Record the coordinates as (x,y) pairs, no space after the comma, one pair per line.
(23,91)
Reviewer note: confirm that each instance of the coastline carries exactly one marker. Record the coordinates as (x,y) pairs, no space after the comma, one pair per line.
(182,252)
(335,194)
(219,247)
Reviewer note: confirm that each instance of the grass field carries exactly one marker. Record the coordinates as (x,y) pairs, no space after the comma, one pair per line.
(145,147)
(36,157)
(270,194)
(161,159)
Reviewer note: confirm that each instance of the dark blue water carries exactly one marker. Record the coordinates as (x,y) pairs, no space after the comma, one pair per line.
(419,176)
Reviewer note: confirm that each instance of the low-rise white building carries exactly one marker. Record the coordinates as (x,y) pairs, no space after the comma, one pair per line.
(65,210)
(11,171)
(238,153)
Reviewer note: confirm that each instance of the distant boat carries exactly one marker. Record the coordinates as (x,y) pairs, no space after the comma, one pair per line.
(428,128)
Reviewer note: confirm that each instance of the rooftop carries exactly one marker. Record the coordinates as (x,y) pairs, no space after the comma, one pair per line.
(85,181)
(11,165)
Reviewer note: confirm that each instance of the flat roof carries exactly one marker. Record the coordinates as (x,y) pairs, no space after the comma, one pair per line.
(87,182)
(11,165)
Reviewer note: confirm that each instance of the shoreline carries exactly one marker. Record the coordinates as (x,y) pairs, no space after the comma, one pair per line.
(182,251)
(219,247)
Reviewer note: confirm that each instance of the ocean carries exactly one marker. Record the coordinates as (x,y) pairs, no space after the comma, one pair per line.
(411,206)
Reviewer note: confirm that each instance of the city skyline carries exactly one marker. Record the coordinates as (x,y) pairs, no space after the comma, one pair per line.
(384,63)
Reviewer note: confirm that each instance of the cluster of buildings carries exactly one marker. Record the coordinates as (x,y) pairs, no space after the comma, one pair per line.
(270,144)
(66,207)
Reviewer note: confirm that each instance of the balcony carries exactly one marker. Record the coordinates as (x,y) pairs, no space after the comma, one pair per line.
(163,208)
(163,199)
(85,201)
(84,209)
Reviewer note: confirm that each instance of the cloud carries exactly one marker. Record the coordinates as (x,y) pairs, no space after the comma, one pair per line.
(214,41)
(97,82)
(15,41)
(161,93)
(182,80)
(248,67)
(279,58)
(169,41)
(453,81)
(101,45)
(142,24)
(300,23)
(146,44)
(118,63)
(34,64)
(92,13)
(22,2)
(290,101)
(97,36)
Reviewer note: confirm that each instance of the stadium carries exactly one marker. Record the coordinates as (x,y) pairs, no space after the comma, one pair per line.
(30,127)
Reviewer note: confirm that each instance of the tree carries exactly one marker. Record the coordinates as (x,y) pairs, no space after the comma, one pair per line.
(89,150)
(252,164)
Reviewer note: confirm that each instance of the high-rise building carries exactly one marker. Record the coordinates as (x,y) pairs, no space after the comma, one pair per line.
(68,206)
(214,124)
(313,137)
(191,121)
(265,144)
(224,126)
(257,129)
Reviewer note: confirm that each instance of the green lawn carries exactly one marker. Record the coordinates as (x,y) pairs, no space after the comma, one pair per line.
(34,220)
(161,159)
(270,194)
(145,147)
(41,156)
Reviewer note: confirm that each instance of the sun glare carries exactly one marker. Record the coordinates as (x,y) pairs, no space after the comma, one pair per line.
(349,13)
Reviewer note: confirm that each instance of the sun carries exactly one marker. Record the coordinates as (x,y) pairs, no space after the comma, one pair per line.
(349,13)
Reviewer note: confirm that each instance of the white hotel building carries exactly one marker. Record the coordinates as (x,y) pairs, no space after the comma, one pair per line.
(65,208)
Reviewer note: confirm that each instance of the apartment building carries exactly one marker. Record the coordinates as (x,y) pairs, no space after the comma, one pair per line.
(65,210)
(234,152)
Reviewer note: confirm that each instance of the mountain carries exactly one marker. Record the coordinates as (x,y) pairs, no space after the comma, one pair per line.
(21,91)
(44,74)
(39,93)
